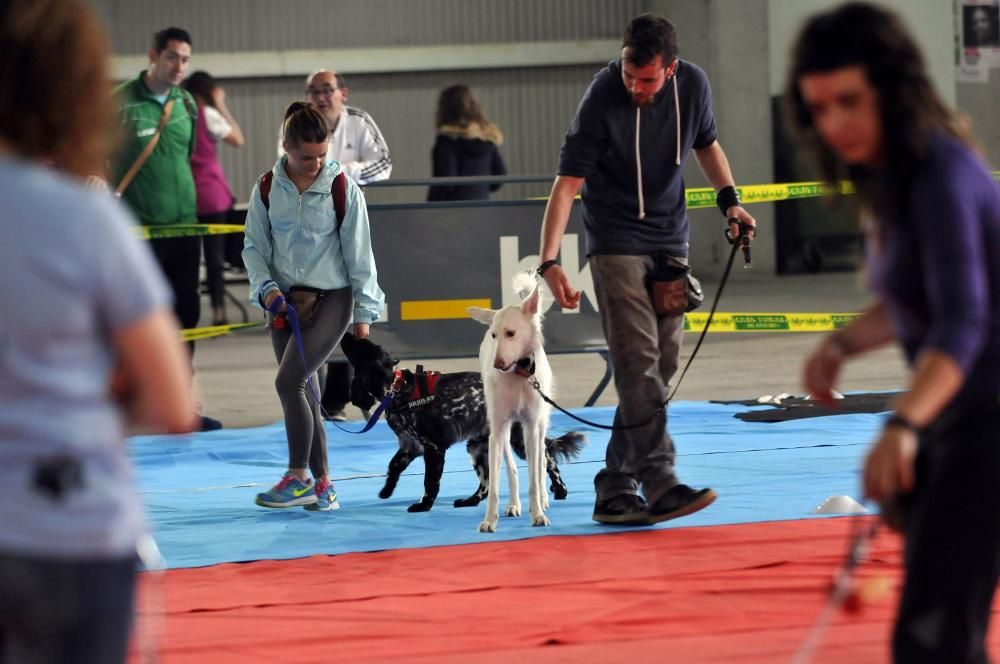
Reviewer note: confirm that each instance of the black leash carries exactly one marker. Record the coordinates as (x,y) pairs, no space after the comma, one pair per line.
(741,242)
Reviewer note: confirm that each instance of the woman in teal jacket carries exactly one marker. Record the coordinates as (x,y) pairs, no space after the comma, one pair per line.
(298,251)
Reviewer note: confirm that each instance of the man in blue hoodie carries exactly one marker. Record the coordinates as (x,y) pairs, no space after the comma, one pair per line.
(637,123)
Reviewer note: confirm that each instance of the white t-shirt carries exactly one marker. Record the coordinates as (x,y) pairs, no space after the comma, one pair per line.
(217,125)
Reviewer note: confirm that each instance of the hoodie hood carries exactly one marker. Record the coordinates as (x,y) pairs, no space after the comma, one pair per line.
(633,195)
(488,132)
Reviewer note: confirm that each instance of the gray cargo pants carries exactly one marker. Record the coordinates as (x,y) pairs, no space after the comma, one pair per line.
(644,349)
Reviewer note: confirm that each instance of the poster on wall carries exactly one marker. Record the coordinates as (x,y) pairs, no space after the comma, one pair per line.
(977,39)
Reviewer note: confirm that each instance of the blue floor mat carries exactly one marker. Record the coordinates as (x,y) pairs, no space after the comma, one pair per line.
(199,489)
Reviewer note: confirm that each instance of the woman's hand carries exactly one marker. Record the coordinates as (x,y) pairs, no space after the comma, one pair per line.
(218,96)
(889,466)
(822,369)
(271,297)
(361,330)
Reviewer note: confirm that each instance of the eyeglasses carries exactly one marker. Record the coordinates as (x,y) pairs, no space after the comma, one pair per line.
(325,91)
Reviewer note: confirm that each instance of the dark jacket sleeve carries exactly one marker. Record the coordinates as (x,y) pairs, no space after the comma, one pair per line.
(953,262)
(586,138)
(707,132)
(497,167)
(444,163)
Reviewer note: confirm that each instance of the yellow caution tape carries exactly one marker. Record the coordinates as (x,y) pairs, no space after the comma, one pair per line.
(768,322)
(187,230)
(439,309)
(199,333)
(704,197)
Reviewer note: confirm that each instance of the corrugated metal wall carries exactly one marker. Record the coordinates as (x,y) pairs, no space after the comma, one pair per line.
(255,25)
(533,106)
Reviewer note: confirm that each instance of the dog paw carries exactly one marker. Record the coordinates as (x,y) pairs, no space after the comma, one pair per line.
(512,510)
(471,501)
(559,492)
(420,507)
(540,520)
(386,492)
(488,527)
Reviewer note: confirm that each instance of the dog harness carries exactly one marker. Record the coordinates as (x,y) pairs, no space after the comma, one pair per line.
(423,392)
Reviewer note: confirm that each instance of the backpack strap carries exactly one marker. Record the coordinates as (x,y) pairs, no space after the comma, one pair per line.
(264,188)
(340,198)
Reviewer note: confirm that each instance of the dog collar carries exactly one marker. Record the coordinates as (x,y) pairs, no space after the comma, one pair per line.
(525,367)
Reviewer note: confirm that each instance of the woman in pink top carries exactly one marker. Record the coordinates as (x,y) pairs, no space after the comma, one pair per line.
(215,199)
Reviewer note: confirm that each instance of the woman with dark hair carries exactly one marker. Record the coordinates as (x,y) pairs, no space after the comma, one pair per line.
(860,96)
(308,244)
(467,144)
(215,200)
(89,345)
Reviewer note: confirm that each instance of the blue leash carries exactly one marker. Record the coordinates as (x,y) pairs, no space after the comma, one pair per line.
(293,320)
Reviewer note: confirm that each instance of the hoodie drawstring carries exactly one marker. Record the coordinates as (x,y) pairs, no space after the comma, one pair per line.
(638,159)
(677,114)
(638,165)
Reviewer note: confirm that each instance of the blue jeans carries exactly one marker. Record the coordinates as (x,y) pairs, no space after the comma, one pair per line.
(65,612)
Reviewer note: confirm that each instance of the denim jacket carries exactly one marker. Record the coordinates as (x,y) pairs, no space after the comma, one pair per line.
(295,241)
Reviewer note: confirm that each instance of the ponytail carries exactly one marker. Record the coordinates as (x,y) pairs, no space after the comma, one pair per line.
(304,124)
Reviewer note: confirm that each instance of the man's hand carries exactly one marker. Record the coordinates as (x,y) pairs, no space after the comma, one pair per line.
(558,283)
(361,330)
(740,213)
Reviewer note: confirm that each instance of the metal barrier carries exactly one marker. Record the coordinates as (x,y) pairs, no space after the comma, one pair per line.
(434,260)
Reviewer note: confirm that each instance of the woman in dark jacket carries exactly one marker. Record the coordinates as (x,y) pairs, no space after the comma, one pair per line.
(467,144)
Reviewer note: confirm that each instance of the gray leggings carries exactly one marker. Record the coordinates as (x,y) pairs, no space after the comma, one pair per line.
(303,421)
(644,349)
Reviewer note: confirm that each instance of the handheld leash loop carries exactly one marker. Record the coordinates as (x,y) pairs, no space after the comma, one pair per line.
(746,233)
(293,320)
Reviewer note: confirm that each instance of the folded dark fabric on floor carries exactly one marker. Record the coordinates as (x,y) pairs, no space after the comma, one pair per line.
(797,408)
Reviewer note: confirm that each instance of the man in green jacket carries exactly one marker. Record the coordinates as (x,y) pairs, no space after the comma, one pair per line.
(161,190)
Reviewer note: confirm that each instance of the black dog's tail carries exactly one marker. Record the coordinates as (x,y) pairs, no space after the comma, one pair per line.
(567,446)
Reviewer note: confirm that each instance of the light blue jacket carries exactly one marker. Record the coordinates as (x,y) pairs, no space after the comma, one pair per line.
(296,243)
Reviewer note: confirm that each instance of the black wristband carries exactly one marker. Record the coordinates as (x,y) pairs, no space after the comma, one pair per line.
(897,420)
(727,198)
(545,266)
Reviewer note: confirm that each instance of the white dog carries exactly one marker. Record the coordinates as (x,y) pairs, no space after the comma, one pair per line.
(511,357)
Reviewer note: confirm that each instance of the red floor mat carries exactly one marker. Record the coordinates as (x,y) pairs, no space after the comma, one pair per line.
(744,593)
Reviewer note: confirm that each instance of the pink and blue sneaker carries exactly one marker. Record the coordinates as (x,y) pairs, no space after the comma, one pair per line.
(326,497)
(288,492)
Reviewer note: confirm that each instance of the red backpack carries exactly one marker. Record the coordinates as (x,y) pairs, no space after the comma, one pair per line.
(339,191)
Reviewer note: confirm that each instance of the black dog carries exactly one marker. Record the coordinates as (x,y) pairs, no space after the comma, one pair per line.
(429,412)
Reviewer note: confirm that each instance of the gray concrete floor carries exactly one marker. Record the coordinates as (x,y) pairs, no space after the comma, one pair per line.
(235,373)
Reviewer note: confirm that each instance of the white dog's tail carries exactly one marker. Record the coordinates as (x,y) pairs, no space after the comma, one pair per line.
(524,283)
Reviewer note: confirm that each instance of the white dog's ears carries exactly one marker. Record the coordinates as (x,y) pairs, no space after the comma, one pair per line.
(484,316)
(529,306)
